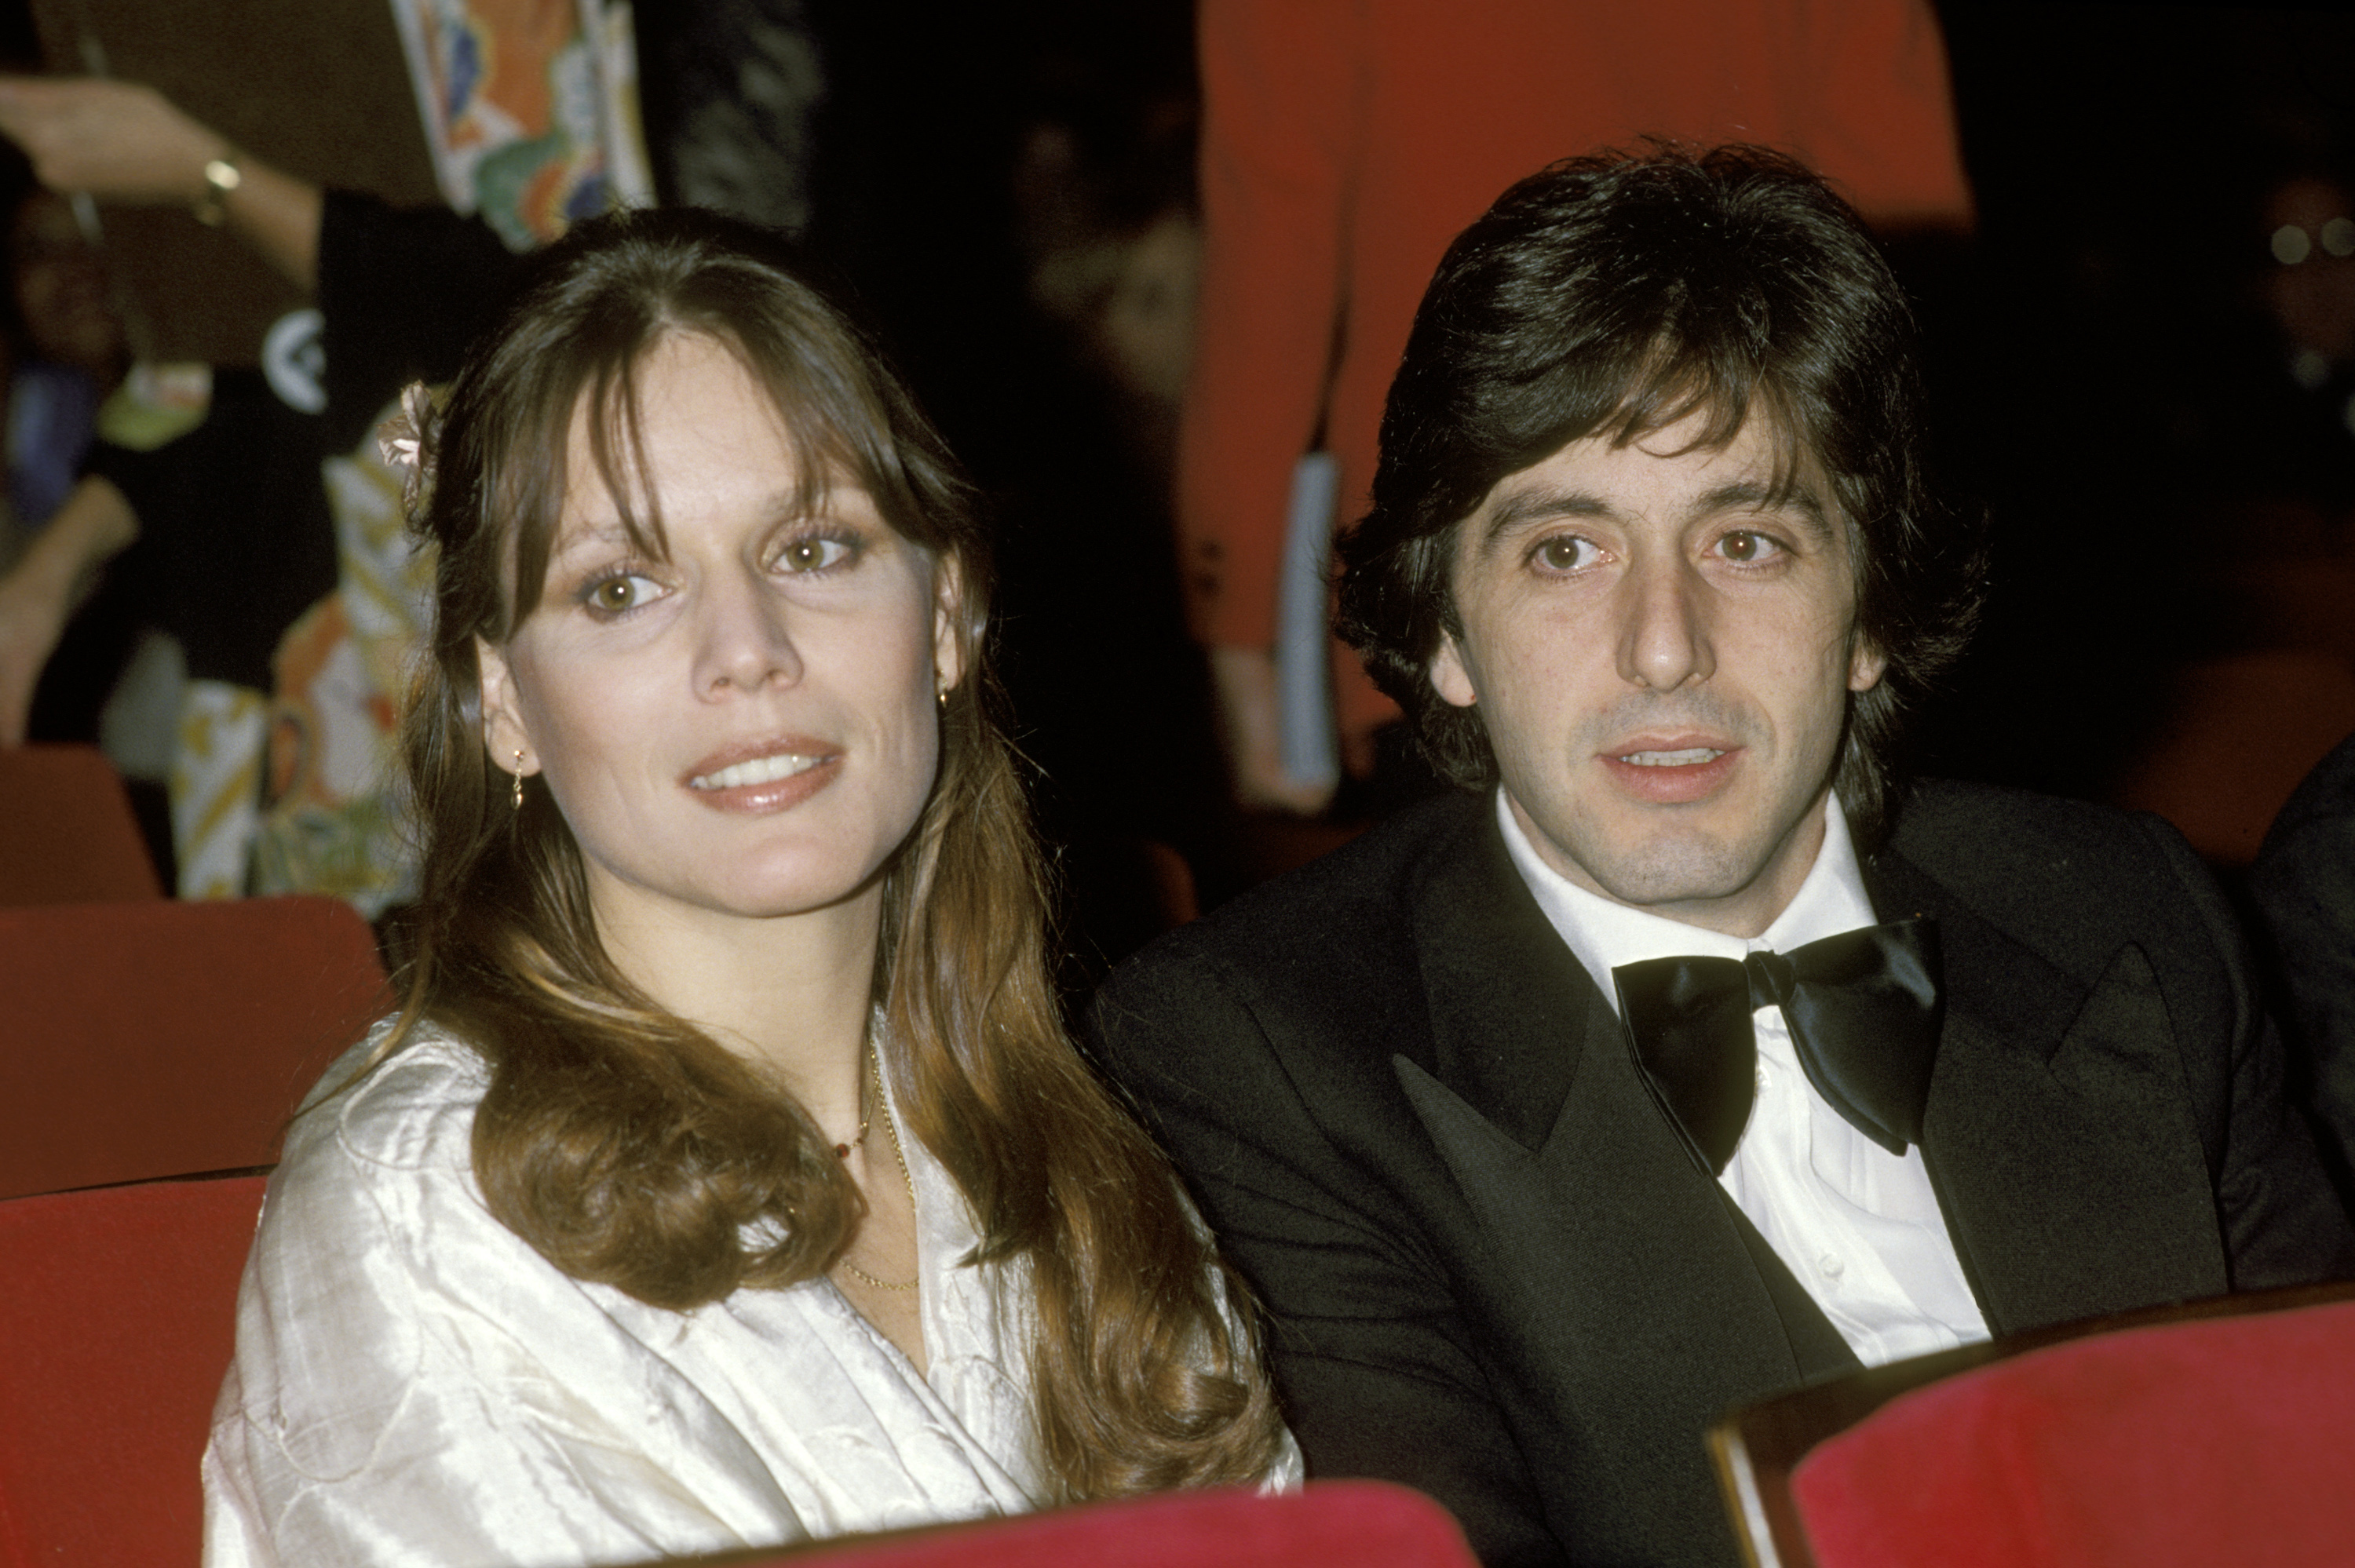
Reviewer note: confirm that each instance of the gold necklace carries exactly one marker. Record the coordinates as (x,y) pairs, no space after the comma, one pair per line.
(899,1154)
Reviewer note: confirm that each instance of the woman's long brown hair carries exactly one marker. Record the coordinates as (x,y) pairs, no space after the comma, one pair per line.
(624,1144)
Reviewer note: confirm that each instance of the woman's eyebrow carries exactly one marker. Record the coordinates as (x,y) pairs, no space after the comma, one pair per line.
(599,535)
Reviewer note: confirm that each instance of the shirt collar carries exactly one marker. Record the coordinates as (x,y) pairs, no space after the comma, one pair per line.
(1604,934)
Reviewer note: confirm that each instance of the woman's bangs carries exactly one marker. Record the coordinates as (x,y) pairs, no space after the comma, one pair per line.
(834,430)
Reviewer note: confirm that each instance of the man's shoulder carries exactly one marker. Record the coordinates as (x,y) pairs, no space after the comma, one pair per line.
(1952,827)
(385,1139)
(1988,832)
(2065,876)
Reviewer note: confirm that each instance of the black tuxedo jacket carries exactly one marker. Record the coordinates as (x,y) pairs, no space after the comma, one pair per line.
(1493,1273)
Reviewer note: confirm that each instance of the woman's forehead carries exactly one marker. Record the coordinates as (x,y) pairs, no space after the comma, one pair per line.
(665,408)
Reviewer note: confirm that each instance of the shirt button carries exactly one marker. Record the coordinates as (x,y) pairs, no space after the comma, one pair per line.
(1832,1266)
(1759,1080)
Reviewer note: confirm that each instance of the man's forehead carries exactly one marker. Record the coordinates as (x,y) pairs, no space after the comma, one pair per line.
(1761,466)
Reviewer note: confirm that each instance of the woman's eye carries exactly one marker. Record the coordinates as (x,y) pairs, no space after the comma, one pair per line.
(1566,553)
(1746,546)
(622,592)
(812,555)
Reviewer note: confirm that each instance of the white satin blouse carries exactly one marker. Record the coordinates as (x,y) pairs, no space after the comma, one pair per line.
(414,1384)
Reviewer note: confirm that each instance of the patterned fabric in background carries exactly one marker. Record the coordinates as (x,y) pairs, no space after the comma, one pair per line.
(215,786)
(329,819)
(530,108)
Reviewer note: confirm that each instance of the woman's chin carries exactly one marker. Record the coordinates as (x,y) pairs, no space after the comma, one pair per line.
(752,887)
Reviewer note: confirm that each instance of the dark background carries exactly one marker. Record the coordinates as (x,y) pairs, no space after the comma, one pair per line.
(2101,375)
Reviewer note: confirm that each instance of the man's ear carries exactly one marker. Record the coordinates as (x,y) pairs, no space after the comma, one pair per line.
(951,635)
(1451,675)
(504,734)
(1866,665)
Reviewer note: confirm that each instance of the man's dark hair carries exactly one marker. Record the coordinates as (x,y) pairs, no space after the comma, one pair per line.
(1611,296)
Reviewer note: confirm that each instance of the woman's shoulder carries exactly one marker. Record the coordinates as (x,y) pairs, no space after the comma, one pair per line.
(409,1105)
(373,1227)
(383,1144)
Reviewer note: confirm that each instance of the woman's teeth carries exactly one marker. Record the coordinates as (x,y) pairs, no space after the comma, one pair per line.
(760,770)
(1672,758)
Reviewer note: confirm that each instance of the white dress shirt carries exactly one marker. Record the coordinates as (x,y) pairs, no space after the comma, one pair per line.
(1859,1227)
(414,1384)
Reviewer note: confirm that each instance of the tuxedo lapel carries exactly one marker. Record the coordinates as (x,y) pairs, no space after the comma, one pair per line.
(2059,1131)
(1640,1306)
(1510,1007)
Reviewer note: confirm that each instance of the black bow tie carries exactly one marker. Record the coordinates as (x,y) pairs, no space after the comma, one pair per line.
(1864,1009)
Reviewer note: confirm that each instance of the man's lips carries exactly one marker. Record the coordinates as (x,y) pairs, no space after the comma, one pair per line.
(1672,769)
(763,776)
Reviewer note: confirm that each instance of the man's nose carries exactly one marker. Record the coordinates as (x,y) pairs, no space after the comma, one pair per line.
(744,643)
(1664,638)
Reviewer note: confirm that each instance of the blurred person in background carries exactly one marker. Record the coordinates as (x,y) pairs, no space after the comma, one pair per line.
(237,500)
(65,355)
(2248,680)
(2310,292)
(66,352)
(2263,379)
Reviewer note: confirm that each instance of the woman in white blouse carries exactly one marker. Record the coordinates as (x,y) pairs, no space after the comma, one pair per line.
(726,1177)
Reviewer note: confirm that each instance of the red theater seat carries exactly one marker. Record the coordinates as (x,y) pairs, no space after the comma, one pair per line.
(167,1039)
(118,1312)
(117,1316)
(1349,1524)
(2216,1432)
(66,834)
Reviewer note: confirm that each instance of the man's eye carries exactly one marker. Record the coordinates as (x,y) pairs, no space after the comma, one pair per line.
(622,592)
(1745,546)
(1566,553)
(812,555)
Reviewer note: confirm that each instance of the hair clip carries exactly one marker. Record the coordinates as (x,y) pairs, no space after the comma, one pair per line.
(400,441)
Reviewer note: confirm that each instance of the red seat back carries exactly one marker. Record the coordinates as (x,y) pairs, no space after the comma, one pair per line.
(2198,1442)
(66,834)
(1351,1524)
(165,1039)
(118,1310)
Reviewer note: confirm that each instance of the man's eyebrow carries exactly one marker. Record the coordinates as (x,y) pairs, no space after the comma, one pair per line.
(1545,504)
(1541,505)
(1750,494)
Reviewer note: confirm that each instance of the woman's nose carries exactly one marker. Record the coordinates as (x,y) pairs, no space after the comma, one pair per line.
(745,643)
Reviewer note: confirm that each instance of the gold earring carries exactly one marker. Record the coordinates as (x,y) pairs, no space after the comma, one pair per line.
(518,778)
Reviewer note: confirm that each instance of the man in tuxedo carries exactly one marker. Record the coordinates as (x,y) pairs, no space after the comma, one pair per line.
(1688,1054)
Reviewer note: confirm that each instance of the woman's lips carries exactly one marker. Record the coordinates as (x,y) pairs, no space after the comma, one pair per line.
(770,776)
(1672,775)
